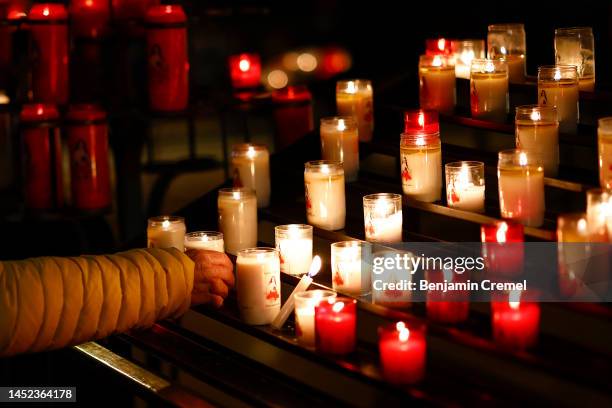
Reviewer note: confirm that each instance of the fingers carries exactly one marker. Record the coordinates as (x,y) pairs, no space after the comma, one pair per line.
(209,257)
(205,273)
(218,287)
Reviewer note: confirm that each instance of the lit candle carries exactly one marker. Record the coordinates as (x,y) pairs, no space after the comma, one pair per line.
(258,285)
(521,187)
(449,307)
(437,46)
(324,191)
(245,70)
(403,352)
(558,86)
(489,89)
(421,121)
(508,42)
(210,240)
(294,244)
(395,294)
(598,213)
(382,215)
(421,166)
(237,208)
(335,326)
(89,17)
(572,252)
(464,51)
(346,262)
(166,231)
(302,285)
(355,98)
(604,147)
(515,323)
(465,186)
(537,129)
(251,169)
(576,46)
(340,142)
(305,303)
(436,83)
(502,248)
(292,114)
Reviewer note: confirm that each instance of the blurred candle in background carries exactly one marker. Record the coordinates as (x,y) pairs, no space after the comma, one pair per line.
(450,307)
(340,142)
(576,46)
(336,326)
(166,231)
(604,150)
(598,213)
(210,240)
(437,46)
(537,129)
(383,219)
(89,18)
(572,252)
(558,86)
(489,89)
(521,186)
(251,169)
(237,208)
(355,98)
(292,114)
(421,121)
(403,352)
(245,70)
(421,166)
(436,83)
(508,42)
(463,52)
(131,9)
(305,304)
(516,323)
(465,186)
(324,194)
(294,244)
(503,248)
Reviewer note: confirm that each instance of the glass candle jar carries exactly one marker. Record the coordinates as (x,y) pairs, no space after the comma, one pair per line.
(537,129)
(305,304)
(421,121)
(515,322)
(166,231)
(508,42)
(210,240)
(348,273)
(437,83)
(336,326)
(465,186)
(251,169)
(521,186)
(245,70)
(403,352)
(437,46)
(572,252)
(604,150)
(463,52)
(258,285)
(355,98)
(340,142)
(503,248)
(558,86)
(391,286)
(382,217)
(576,46)
(448,307)
(489,98)
(324,190)
(598,213)
(421,166)
(237,208)
(294,244)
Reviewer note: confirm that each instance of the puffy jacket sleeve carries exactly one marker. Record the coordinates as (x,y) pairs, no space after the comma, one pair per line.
(48,303)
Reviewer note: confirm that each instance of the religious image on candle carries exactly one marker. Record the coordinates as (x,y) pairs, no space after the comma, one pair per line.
(355,98)
(383,219)
(421,166)
(251,169)
(305,303)
(347,264)
(558,87)
(436,83)
(403,351)
(576,46)
(210,240)
(294,244)
(465,186)
(508,42)
(166,231)
(516,322)
(604,151)
(463,52)
(237,209)
(537,129)
(324,194)
(489,98)
(340,142)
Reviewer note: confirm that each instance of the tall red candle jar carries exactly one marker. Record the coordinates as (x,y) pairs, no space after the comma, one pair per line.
(89,18)
(48,24)
(452,306)
(336,325)
(43,157)
(292,114)
(421,121)
(516,323)
(245,70)
(502,248)
(168,58)
(89,157)
(403,352)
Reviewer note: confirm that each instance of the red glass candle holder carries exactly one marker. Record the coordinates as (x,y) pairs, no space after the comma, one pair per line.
(335,326)
(421,121)
(502,248)
(168,58)
(245,70)
(292,114)
(516,323)
(43,157)
(437,46)
(449,307)
(89,18)
(48,23)
(89,165)
(403,351)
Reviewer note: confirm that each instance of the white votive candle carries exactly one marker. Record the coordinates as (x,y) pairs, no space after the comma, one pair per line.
(489,89)
(324,194)
(598,213)
(382,217)
(558,86)
(346,265)
(537,129)
(294,244)
(305,303)
(166,231)
(421,166)
(355,98)
(604,150)
(340,142)
(237,209)
(465,185)
(211,240)
(251,169)
(258,285)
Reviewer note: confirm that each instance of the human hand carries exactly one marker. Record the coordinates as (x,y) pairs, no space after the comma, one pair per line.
(213,277)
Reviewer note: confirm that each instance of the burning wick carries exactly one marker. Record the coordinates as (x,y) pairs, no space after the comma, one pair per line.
(302,285)
(514,299)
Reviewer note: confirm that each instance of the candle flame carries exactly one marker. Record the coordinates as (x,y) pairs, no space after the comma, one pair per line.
(337,307)
(441,44)
(325,169)
(437,61)
(244,64)
(523,159)
(46,11)
(582,226)
(503,50)
(501,233)
(351,87)
(421,119)
(341,125)
(557,74)
(236,195)
(535,116)
(404,334)
(467,57)
(166,224)
(89,3)
(315,266)
(420,141)
(251,152)
(489,67)
(464,175)
(514,299)
(381,207)
(400,325)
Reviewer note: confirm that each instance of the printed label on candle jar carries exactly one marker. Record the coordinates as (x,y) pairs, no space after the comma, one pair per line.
(271,285)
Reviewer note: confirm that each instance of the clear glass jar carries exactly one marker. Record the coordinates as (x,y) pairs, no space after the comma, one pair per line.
(355,97)
(508,42)
(305,303)
(465,185)
(251,169)
(211,240)
(237,209)
(382,217)
(464,51)
(258,285)
(294,244)
(558,86)
(576,46)
(421,166)
(489,99)
(166,231)
(324,194)
(340,142)
(537,129)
